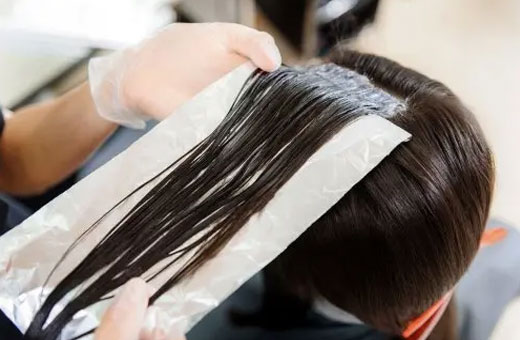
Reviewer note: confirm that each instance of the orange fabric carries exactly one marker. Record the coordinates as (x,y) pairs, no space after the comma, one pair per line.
(427,327)
(492,236)
(417,323)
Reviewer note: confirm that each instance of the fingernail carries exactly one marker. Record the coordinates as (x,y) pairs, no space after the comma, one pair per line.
(151,290)
(273,53)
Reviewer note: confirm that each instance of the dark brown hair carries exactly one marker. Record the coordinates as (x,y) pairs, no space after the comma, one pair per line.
(405,234)
(388,249)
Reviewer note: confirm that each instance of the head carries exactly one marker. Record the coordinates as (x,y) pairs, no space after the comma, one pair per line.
(405,234)
(387,250)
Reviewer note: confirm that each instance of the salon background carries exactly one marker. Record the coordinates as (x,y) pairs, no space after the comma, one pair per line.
(471,45)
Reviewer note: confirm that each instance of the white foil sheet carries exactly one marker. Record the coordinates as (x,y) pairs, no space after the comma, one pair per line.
(30,251)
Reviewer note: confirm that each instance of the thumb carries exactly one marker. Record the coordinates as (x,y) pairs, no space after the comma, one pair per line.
(258,46)
(124,318)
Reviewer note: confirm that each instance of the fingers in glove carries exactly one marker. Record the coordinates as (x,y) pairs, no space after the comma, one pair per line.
(124,318)
(258,46)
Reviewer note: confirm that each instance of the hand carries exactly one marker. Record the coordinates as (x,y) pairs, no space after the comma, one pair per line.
(154,78)
(124,319)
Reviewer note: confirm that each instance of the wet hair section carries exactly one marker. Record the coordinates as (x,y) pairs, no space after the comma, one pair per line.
(359,89)
(277,122)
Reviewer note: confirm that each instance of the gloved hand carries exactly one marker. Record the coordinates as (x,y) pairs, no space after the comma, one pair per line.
(124,319)
(152,79)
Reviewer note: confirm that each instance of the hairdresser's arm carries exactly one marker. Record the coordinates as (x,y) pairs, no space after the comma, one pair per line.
(125,318)
(43,143)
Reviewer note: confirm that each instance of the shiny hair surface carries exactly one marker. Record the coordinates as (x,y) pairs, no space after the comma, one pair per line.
(406,233)
(392,246)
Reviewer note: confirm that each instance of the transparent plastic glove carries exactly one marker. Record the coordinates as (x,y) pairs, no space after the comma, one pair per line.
(152,79)
(124,319)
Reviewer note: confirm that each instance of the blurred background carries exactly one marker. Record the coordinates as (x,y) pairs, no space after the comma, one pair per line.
(473,46)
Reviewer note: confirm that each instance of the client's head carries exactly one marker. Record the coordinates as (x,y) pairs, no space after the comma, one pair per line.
(393,245)
(405,234)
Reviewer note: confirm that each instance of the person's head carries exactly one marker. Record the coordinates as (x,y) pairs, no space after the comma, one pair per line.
(387,250)
(405,234)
